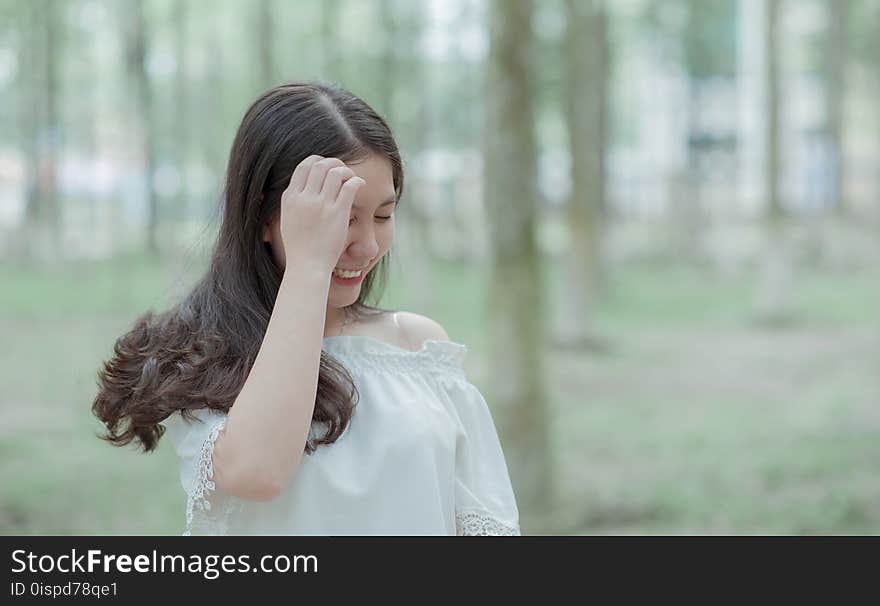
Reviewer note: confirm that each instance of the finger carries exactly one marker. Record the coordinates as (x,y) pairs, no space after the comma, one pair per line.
(301,172)
(348,191)
(334,179)
(318,172)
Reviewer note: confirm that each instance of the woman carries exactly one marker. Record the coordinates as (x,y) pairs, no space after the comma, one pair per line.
(294,406)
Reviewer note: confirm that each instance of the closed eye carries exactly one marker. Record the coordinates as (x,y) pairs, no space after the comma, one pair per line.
(379,219)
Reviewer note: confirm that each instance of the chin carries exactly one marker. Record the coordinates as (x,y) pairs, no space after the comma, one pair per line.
(344,301)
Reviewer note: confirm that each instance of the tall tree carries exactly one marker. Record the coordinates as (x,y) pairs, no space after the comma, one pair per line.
(331,40)
(835,90)
(138,40)
(403,31)
(775,211)
(43,221)
(266,41)
(181,104)
(708,53)
(774,301)
(510,190)
(215,100)
(388,72)
(703,35)
(585,110)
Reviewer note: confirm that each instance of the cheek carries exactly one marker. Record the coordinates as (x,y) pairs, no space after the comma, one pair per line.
(387,236)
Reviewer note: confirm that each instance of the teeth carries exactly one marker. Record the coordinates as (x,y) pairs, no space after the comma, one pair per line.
(346,274)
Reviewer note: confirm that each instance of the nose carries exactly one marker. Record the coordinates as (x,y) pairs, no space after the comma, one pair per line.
(362,244)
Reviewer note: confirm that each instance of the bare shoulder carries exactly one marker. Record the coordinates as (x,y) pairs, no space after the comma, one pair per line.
(416,329)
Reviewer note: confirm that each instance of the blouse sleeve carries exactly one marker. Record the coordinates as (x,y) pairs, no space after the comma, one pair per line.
(207,507)
(484,499)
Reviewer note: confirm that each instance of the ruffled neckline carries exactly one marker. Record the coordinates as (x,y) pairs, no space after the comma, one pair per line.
(370,352)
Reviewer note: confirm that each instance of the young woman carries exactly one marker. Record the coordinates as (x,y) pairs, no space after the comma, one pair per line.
(294,406)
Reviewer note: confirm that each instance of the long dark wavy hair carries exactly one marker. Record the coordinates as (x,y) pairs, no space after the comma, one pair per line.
(199,353)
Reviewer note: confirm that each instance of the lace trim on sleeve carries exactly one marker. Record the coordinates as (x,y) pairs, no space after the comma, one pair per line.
(198,503)
(479,523)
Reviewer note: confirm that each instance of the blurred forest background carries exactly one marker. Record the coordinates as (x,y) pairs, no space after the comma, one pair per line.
(655,224)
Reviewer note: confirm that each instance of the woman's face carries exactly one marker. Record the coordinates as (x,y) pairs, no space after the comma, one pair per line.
(370,229)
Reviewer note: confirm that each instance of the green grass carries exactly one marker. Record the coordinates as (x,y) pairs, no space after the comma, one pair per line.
(695,420)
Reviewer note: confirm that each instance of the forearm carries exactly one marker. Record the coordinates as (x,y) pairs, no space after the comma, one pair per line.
(269,423)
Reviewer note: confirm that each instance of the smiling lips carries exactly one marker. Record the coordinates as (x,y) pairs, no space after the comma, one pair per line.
(344,272)
(347,273)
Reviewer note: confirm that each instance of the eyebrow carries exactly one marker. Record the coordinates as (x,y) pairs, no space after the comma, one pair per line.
(385,203)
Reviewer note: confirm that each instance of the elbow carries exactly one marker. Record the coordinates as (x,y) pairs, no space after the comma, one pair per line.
(267,489)
(262,492)
(245,482)
(249,486)
(248,475)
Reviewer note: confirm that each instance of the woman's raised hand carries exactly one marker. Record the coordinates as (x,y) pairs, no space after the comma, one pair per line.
(315,210)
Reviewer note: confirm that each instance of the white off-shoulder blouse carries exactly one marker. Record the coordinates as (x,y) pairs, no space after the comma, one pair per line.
(421,456)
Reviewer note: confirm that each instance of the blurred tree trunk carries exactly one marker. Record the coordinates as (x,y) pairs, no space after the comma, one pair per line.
(689,221)
(214,98)
(403,28)
(181,113)
(331,39)
(91,116)
(775,285)
(43,225)
(835,91)
(515,305)
(586,67)
(27,87)
(387,74)
(143,103)
(775,210)
(266,41)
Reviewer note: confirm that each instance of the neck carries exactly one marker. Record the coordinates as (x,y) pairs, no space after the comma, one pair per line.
(334,321)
